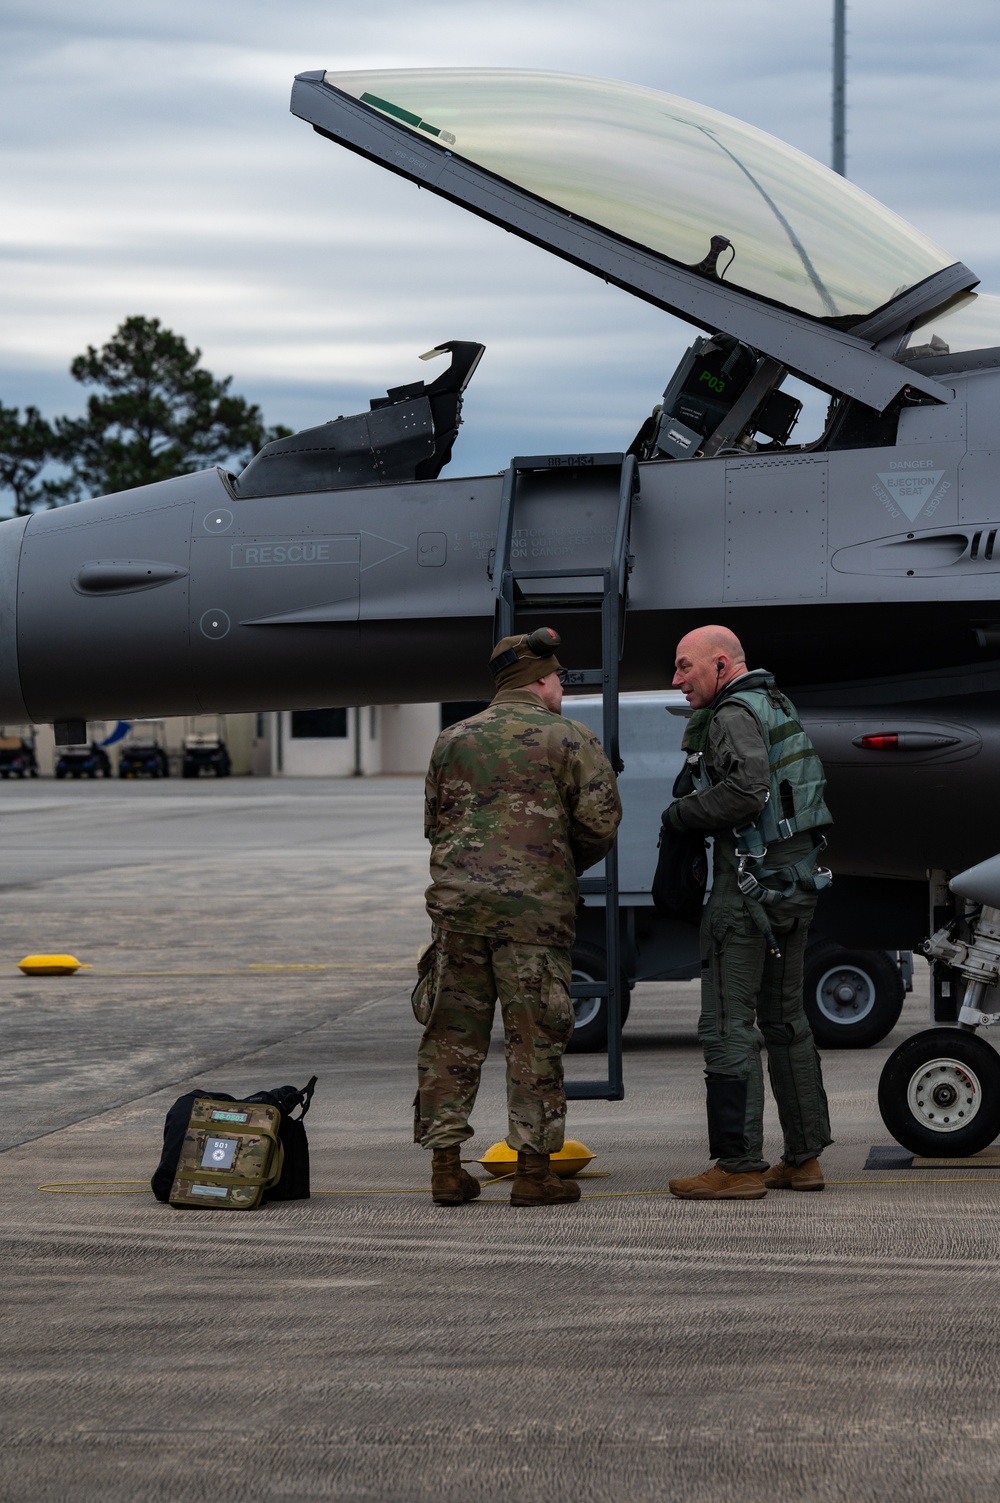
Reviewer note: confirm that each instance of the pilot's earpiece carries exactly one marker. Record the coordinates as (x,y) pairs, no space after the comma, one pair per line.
(720,664)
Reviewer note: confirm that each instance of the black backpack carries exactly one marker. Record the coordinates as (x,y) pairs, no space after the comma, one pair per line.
(681,876)
(294,1181)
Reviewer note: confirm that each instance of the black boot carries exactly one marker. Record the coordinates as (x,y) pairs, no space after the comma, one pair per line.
(726,1100)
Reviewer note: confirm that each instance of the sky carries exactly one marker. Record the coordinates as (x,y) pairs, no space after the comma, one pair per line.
(149,165)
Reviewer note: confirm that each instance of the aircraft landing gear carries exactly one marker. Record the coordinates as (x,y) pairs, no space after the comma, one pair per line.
(939,1094)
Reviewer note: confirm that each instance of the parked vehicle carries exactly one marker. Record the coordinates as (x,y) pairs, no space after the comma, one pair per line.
(853,996)
(205,751)
(17,757)
(83,762)
(144,753)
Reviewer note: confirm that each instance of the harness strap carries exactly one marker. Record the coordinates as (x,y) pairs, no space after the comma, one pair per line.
(806,874)
(307,1095)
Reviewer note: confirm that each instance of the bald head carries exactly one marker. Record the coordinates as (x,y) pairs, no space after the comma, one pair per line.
(707,659)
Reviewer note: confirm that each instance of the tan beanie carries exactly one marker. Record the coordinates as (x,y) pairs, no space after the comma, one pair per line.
(521,660)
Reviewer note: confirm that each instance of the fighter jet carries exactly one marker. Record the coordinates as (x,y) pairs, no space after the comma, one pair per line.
(862,567)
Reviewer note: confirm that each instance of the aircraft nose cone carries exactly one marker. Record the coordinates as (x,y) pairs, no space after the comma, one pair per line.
(12,706)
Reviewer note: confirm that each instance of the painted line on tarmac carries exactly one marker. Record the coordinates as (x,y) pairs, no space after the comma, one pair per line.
(246,970)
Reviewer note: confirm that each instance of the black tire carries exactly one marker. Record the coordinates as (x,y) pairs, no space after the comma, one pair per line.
(853,998)
(590,1035)
(939,1094)
(60,772)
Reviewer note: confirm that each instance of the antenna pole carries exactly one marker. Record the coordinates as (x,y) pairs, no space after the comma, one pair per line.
(839,154)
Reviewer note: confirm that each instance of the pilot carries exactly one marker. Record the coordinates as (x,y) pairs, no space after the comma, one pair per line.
(754,782)
(519,801)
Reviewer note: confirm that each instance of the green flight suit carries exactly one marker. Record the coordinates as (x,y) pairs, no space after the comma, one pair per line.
(750,998)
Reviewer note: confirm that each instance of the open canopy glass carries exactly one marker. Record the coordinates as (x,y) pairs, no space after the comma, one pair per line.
(668,175)
(973,324)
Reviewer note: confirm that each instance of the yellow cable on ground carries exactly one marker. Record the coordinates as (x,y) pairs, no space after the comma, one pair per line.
(105,1186)
(75,1187)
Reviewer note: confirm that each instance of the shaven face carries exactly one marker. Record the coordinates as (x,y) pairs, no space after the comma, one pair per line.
(549,691)
(697,671)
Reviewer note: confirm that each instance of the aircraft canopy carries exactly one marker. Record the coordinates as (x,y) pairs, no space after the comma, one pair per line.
(668,175)
(972,324)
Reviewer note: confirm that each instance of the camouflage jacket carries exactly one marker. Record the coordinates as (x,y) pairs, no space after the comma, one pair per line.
(518,802)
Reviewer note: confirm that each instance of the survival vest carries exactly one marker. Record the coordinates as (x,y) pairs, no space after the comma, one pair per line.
(795,800)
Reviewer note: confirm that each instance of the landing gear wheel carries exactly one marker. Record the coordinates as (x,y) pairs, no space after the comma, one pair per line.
(590,1033)
(939,1094)
(852,998)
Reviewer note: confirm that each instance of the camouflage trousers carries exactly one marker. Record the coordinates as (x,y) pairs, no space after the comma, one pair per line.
(461,978)
(749,999)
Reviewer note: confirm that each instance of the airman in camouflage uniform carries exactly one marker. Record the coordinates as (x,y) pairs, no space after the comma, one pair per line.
(519,801)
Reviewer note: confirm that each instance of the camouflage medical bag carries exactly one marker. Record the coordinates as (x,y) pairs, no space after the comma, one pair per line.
(234,1155)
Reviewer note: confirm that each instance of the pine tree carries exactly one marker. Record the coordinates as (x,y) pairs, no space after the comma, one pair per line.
(26,446)
(159,413)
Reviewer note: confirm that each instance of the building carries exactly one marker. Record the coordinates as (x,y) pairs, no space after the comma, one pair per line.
(364,742)
(346,743)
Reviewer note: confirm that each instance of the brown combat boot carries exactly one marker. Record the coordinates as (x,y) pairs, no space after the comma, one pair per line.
(536,1185)
(719,1184)
(450,1183)
(807,1176)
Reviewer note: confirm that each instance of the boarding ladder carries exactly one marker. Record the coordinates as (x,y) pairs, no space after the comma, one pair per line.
(562,547)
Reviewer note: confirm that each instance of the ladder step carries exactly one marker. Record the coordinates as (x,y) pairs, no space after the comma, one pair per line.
(593,1090)
(598,572)
(565,600)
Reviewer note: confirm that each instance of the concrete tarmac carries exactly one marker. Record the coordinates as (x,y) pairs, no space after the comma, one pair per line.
(365,1344)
